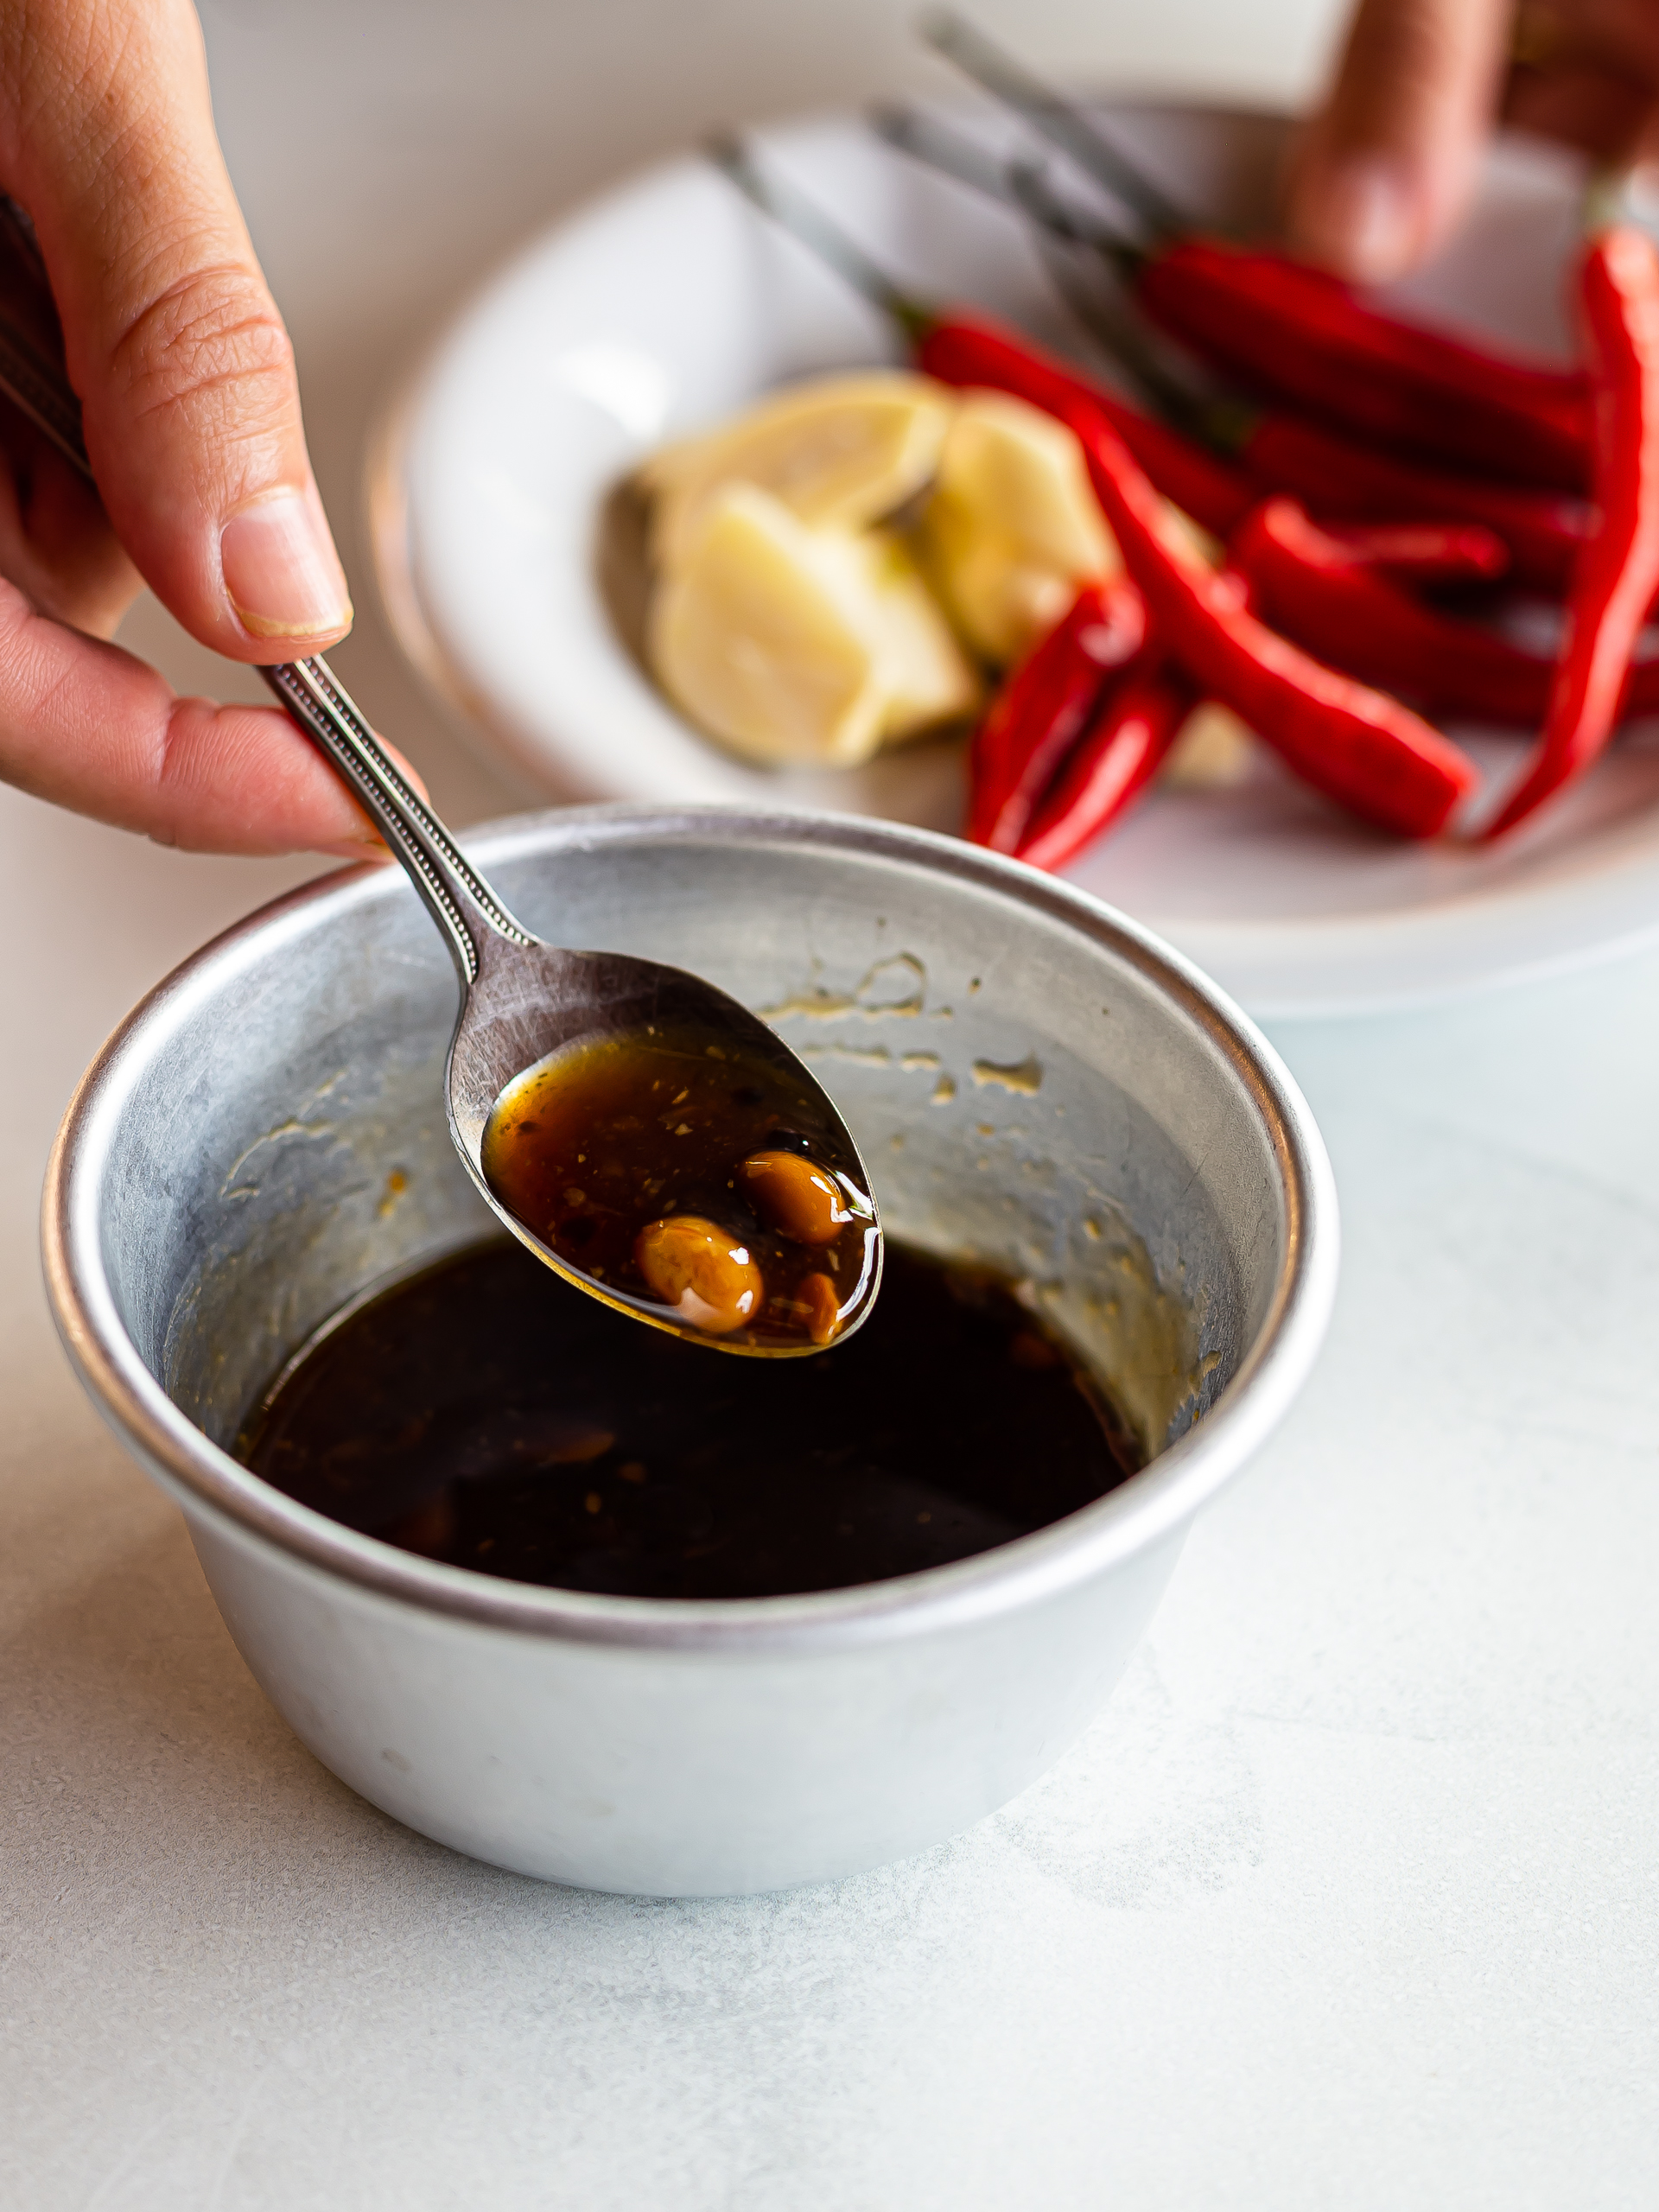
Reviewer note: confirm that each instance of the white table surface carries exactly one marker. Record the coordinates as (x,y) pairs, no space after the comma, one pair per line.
(1348,1900)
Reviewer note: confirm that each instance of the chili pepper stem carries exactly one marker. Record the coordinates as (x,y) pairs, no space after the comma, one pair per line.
(997,72)
(1224,424)
(1217,496)
(952,153)
(803,219)
(1022,187)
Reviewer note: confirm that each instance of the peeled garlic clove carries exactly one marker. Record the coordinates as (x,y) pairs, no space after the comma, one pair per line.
(765,636)
(1214,752)
(840,452)
(1011,527)
(925,675)
(1025,474)
(1002,600)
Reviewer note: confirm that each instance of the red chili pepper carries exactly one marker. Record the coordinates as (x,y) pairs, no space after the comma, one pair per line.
(1127,743)
(1288,329)
(1214,493)
(963,350)
(1434,552)
(1339,605)
(1618,571)
(1333,476)
(1289,326)
(1310,584)
(1043,709)
(1359,747)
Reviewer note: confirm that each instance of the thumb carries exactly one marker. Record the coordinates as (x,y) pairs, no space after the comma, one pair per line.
(184,371)
(1384,169)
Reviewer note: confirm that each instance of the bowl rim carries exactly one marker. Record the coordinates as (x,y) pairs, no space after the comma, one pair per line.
(1151,1506)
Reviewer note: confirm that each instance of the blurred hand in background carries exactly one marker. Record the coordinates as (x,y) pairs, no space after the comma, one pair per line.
(1385,166)
(192,418)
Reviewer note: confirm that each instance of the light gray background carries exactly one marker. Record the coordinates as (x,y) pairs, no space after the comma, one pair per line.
(1348,1901)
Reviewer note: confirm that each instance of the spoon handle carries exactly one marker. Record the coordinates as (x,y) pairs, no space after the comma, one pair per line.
(460,900)
(458,897)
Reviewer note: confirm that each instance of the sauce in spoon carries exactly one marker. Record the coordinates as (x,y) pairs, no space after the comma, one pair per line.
(694,1178)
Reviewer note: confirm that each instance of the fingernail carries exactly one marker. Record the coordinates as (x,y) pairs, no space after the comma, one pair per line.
(1364,221)
(368,847)
(280,570)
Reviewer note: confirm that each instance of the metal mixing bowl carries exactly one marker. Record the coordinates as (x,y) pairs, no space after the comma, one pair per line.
(1034,1082)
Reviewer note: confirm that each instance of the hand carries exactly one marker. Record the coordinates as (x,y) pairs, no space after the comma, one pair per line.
(1385,167)
(192,419)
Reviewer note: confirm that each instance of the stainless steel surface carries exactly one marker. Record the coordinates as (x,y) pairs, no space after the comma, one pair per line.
(520,999)
(1045,1088)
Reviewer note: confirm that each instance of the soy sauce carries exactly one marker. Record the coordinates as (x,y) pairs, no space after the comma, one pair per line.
(485,1413)
(705,1183)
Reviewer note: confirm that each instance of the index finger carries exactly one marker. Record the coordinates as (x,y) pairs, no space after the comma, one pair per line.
(85,725)
(1385,166)
(183,367)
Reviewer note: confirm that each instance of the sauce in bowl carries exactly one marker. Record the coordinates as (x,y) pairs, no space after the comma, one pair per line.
(484,1413)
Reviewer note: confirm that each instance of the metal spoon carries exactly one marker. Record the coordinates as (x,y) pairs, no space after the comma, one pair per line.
(521,1000)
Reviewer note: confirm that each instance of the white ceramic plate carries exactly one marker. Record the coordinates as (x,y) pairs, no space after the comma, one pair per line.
(669,304)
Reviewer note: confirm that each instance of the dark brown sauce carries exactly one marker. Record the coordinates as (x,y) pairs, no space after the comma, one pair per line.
(710,1186)
(485,1413)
